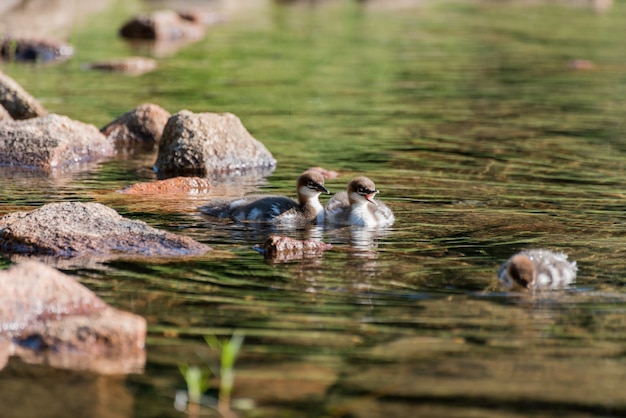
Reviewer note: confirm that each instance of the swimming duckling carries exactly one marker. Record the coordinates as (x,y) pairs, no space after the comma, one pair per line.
(537,269)
(276,209)
(356,206)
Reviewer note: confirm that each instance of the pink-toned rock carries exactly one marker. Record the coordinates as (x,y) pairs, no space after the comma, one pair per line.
(128,65)
(173,186)
(71,229)
(51,142)
(141,127)
(17,101)
(328,174)
(5,116)
(42,309)
(580,64)
(211,145)
(286,248)
(163,25)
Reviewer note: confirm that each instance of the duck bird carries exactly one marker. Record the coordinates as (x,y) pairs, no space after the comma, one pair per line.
(356,206)
(537,269)
(276,209)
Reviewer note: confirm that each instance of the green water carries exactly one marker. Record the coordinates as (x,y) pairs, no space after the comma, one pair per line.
(481,139)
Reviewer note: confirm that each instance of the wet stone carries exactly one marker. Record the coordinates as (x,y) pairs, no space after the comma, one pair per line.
(285,248)
(51,142)
(141,127)
(71,229)
(129,65)
(34,50)
(173,186)
(210,145)
(44,310)
(163,25)
(17,101)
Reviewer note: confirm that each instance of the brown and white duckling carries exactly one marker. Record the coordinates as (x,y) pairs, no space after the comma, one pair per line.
(356,206)
(537,269)
(276,209)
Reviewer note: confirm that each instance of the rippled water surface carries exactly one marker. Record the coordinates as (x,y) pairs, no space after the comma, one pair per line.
(481,137)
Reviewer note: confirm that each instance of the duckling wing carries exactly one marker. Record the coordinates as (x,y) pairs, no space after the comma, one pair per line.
(249,208)
(384,215)
(337,210)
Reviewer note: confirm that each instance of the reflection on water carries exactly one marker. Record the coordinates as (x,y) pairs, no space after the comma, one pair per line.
(483,140)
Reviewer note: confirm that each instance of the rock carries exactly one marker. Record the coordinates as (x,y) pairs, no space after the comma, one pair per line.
(285,248)
(44,310)
(173,186)
(5,116)
(17,101)
(36,50)
(129,65)
(142,126)
(163,25)
(51,142)
(71,229)
(210,144)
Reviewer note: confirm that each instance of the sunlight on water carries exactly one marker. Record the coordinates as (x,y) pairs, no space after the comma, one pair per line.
(482,139)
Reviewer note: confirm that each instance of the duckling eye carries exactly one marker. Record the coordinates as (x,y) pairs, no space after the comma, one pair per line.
(361,190)
(310,185)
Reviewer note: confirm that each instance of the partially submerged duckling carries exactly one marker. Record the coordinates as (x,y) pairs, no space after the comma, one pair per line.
(537,269)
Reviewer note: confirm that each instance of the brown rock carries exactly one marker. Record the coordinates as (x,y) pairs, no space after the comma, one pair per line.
(51,142)
(142,126)
(210,144)
(173,186)
(328,174)
(281,247)
(42,309)
(31,49)
(164,25)
(17,101)
(73,228)
(129,65)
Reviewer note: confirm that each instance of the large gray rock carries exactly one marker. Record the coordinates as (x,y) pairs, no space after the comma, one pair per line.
(51,142)
(141,127)
(17,101)
(70,229)
(210,144)
(44,310)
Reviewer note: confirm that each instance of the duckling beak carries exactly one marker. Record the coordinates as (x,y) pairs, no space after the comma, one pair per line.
(370,197)
(321,188)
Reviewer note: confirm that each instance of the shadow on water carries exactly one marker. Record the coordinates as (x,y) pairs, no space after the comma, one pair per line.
(483,141)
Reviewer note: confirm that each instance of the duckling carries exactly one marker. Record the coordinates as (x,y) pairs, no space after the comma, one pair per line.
(537,269)
(276,209)
(356,206)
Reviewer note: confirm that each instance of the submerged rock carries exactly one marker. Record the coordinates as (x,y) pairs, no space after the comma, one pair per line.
(141,127)
(35,50)
(285,248)
(44,310)
(17,101)
(173,186)
(210,144)
(163,25)
(71,229)
(51,142)
(128,65)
